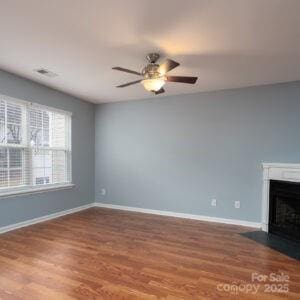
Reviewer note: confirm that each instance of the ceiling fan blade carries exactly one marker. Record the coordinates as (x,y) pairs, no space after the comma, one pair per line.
(167,66)
(126,70)
(183,79)
(159,91)
(129,83)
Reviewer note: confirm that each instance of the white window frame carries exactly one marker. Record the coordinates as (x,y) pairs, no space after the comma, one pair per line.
(32,188)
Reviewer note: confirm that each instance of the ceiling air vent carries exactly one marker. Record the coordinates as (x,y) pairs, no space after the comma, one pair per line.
(45,72)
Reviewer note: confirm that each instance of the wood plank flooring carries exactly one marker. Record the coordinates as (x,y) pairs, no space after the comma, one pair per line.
(109,254)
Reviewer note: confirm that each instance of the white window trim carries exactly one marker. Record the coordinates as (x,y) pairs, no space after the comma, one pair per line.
(27,190)
(11,192)
(35,104)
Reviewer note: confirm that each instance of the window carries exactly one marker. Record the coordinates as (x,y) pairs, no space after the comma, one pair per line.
(35,146)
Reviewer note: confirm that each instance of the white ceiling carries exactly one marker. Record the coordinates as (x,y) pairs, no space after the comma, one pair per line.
(226,43)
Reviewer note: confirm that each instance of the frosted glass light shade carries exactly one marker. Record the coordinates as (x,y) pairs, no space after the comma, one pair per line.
(153,84)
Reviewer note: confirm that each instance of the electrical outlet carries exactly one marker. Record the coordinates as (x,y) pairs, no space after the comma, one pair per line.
(237,204)
(103,192)
(213,202)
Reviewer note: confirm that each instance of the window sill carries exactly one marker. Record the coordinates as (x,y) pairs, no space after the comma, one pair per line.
(34,190)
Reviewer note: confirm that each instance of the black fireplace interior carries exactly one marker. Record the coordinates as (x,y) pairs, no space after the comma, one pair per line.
(284,220)
(284,210)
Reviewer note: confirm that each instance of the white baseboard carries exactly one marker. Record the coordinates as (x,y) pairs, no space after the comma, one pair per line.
(45,218)
(129,208)
(181,215)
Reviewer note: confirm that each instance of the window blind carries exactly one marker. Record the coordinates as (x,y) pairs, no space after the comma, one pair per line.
(35,145)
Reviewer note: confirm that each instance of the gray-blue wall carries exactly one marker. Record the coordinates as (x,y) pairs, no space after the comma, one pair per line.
(177,153)
(21,208)
(172,153)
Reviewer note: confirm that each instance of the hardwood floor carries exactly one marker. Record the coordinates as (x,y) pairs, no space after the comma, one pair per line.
(110,254)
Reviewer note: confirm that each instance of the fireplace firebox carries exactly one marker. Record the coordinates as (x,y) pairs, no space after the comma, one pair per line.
(284,209)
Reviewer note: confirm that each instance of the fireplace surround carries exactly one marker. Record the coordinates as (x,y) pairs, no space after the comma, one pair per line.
(281,200)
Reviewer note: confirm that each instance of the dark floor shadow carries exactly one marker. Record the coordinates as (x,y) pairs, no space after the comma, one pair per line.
(284,246)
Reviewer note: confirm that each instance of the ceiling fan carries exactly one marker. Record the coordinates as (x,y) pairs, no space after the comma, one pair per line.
(154,75)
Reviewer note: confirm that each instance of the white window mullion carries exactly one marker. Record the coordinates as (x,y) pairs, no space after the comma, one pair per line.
(5,122)
(22,167)
(42,141)
(30,173)
(28,153)
(25,129)
(8,168)
(50,131)
(25,144)
(52,173)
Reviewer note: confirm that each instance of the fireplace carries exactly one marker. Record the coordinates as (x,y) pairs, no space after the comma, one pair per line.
(284,209)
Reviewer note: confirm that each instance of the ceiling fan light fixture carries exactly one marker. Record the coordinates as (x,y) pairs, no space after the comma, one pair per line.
(154,84)
(154,75)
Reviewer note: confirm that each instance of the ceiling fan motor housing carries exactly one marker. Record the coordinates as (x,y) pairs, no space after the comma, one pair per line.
(152,57)
(151,71)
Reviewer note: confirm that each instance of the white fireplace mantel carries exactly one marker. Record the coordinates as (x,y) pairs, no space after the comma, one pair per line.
(276,171)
